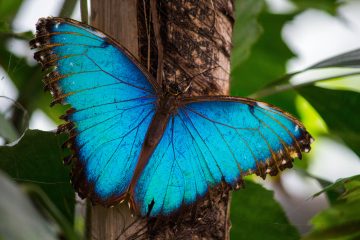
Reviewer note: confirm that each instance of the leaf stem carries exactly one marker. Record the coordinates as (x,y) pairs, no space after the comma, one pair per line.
(67,8)
(84,11)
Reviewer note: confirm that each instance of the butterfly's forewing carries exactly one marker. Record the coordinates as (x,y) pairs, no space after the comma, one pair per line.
(112,102)
(210,140)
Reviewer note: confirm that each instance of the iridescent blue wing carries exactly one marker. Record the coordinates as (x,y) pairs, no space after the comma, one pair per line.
(112,104)
(212,140)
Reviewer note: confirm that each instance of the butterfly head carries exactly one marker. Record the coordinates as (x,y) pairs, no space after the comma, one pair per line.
(176,89)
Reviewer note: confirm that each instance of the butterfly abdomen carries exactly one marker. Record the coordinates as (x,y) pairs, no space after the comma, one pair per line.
(165,109)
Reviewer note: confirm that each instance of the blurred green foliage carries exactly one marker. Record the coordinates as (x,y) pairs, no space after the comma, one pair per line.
(255,77)
(8,10)
(19,219)
(37,158)
(342,121)
(255,214)
(326,5)
(259,57)
(342,219)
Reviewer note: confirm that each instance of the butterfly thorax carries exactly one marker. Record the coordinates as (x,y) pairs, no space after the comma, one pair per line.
(176,88)
(167,104)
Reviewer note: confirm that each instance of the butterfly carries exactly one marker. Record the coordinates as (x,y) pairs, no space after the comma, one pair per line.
(159,150)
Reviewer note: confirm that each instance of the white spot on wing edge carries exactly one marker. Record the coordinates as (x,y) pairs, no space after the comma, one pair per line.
(296,128)
(262,105)
(57,24)
(100,34)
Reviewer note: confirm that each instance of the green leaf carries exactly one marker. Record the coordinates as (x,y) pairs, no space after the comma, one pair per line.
(256,215)
(268,57)
(341,220)
(267,62)
(349,59)
(332,193)
(340,111)
(246,29)
(18,217)
(338,186)
(67,8)
(284,100)
(44,203)
(7,130)
(37,158)
(329,6)
(8,9)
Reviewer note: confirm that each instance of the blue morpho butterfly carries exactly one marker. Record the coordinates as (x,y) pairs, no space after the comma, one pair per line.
(134,141)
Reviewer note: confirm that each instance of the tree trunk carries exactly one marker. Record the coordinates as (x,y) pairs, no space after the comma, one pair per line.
(196,43)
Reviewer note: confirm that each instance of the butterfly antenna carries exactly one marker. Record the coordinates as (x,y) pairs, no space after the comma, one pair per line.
(200,73)
(189,79)
(160,49)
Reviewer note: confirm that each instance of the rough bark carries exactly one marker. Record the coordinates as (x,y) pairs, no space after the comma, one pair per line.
(118,19)
(196,38)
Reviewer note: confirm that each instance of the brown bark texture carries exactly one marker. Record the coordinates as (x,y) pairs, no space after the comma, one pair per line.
(196,43)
